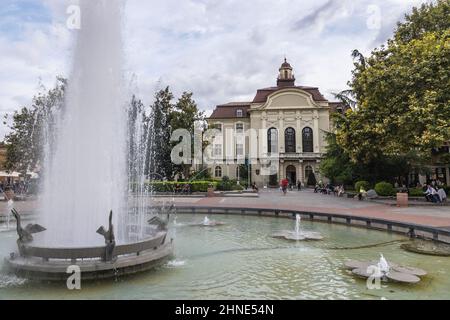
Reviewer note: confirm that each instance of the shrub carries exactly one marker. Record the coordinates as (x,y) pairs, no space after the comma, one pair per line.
(385,189)
(447,190)
(416,192)
(229,185)
(364,184)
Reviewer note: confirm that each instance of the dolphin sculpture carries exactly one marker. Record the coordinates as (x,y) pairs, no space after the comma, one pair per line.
(110,239)
(108,234)
(159,222)
(26,234)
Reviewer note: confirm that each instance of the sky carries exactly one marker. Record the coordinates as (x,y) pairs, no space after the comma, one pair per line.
(221,50)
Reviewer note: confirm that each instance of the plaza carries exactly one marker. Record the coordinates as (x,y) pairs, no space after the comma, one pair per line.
(126,175)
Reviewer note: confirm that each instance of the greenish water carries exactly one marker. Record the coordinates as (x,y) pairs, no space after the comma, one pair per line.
(241,261)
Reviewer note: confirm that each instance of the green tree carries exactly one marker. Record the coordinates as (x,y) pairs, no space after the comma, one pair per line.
(184,115)
(32,129)
(401,91)
(159,147)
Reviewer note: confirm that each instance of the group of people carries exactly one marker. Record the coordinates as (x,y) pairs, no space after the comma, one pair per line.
(329,189)
(435,194)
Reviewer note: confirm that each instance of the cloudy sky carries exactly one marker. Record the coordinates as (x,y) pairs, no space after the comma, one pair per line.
(222,50)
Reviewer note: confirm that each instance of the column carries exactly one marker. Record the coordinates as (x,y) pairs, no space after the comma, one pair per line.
(281,145)
(281,172)
(298,133)
(300,172)
(316,132)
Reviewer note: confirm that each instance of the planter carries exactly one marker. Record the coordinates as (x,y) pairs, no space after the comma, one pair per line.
(9,194)
(210,192)
(402,199)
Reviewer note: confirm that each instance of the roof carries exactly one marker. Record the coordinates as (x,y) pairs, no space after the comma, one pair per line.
(263,94)
(228,111)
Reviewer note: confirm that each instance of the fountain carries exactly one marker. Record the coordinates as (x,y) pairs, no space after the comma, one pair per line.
(298,234)
(385,271)
(10,206)
(85,171)
(208,223)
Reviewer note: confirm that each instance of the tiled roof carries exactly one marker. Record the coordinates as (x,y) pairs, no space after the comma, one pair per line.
(229,110)
(263,94)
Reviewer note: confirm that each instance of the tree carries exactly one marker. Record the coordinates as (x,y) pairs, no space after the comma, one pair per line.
(336,164)
(33,129)
(159,147)
(184,115)
(402,91)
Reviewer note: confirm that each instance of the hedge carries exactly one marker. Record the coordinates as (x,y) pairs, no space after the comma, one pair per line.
(416,192)
(363,184)
(226,184)
(385,189)
(171,186)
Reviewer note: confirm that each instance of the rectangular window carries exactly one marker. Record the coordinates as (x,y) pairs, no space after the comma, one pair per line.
(217,126)
(239,150)
(239,128)
(217,150)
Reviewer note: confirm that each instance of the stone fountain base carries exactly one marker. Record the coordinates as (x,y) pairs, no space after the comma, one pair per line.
(51,264)
(301,236)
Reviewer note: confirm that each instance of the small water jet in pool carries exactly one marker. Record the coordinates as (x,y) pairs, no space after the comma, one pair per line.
(298,234)
(9,206)
(208,223)
(385,271)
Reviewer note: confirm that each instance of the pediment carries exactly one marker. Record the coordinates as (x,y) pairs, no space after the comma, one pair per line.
(290,99)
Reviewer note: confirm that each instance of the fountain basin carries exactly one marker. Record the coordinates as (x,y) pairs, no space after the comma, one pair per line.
(51,264)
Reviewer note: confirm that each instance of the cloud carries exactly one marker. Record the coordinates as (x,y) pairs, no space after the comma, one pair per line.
(221,50)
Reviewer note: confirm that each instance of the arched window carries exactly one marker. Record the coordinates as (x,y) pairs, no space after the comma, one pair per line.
(218,172)
(272,140)
(289,139)
(308,144)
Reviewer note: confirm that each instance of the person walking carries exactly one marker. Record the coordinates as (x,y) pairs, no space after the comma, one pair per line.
(284,185)
(299,185)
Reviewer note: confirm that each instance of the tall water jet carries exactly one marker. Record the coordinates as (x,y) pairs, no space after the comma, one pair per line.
(86,175)
(298,234)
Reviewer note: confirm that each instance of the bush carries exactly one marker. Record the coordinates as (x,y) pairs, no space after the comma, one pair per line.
(416,192)
(364,184)
(229,185)
(385,189)
(447,190)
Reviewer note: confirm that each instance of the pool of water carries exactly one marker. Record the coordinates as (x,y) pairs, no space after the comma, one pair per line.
(241,260)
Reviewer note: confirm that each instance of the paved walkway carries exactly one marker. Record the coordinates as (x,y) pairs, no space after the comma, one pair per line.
(438,216)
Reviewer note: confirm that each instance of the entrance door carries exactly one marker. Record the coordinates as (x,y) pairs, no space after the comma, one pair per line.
(291,174)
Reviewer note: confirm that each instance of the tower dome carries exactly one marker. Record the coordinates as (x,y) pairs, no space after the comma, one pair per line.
(286,76)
